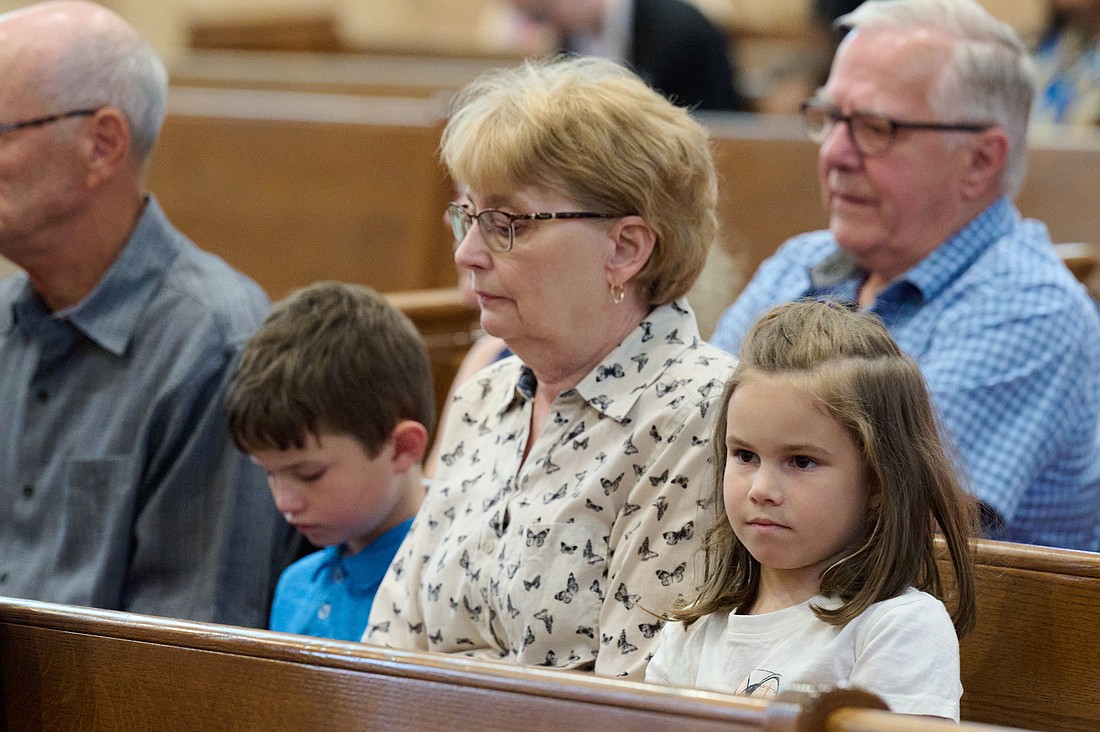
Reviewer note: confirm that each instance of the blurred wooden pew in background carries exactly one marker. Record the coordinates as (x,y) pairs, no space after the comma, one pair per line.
(367,74)
(294,187)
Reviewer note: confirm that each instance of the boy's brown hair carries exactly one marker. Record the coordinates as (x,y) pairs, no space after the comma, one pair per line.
(331,357)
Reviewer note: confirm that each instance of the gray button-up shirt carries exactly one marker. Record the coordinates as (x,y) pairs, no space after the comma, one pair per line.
(118,485)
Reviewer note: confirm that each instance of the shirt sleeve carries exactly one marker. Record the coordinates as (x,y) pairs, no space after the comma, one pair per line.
(780,278)
(658,671)
(908,654)
(208,543)
(1008,375)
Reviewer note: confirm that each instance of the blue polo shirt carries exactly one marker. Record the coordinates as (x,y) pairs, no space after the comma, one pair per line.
(329,595)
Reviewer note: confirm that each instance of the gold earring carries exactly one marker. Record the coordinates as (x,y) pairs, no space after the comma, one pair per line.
(618,293)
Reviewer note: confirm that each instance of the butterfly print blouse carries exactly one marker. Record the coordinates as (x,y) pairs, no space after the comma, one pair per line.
(563,559)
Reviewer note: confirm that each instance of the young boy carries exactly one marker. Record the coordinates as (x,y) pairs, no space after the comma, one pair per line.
(334,400)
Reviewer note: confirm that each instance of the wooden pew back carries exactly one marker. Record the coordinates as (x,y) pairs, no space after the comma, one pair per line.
(64,667)
(1033,659)
(359,73)
(76,668)
(292,187)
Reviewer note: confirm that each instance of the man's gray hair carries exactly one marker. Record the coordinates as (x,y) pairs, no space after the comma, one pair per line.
(111,68)
(990,76)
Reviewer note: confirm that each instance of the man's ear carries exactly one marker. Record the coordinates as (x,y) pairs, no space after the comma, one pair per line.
(106,146)
(409,440)
(985,164)
(634,240)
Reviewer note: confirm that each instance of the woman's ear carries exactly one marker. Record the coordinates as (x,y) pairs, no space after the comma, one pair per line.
(634,240)
(409,439)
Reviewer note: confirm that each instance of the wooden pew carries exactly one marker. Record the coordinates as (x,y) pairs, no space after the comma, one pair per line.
(874,720)
(280,32)
(63,667)
(768,188)
(1083,260)
(293,187)
(1033,659)
(363,74)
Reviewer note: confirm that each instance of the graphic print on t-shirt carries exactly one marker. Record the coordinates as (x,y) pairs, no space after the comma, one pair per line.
(761,683)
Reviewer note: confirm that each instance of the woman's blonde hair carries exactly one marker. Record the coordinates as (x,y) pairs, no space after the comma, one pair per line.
(589,129)
(850,364)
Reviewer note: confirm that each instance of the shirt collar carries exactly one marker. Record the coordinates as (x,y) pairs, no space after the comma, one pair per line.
(618,381)
(110,313)
(943,266)
(359,568)
(24,300)
(940,268)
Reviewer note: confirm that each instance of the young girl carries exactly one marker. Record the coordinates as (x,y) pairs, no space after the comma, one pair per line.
(833,478)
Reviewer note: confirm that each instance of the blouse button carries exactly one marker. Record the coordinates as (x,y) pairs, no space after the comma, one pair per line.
(323,611)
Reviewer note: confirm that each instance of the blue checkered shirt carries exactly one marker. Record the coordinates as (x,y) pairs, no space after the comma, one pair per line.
(1009,343)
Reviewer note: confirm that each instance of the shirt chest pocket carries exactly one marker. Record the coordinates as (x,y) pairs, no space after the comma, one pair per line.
(98,503)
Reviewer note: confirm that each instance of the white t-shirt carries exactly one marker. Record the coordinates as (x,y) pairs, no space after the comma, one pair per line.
(903,649)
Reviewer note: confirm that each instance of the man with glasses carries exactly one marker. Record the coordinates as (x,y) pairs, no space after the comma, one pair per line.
(922,126)
(119,487)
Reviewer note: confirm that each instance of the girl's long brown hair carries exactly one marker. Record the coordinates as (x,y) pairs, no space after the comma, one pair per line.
(853,367)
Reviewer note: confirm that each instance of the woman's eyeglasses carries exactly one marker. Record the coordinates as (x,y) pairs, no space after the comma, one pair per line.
(498,228)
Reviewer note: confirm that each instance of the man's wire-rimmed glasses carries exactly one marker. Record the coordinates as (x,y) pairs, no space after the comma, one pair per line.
(498,228)
(49,118)
(871,134)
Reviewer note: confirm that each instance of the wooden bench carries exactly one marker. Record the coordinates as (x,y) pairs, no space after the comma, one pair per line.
(296,186)
(280,32)
(64,667)
(363,74)
(1034,657)
(293,187)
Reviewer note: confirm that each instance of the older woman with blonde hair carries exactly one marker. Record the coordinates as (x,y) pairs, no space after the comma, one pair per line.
(570,494)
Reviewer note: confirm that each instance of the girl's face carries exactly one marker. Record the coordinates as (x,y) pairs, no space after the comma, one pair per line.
(795,486)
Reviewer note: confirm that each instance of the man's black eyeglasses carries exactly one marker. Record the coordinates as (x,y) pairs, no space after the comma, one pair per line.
(871,134)
(39,121)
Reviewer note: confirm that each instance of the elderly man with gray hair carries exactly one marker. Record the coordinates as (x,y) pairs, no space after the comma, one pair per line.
(119,487)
